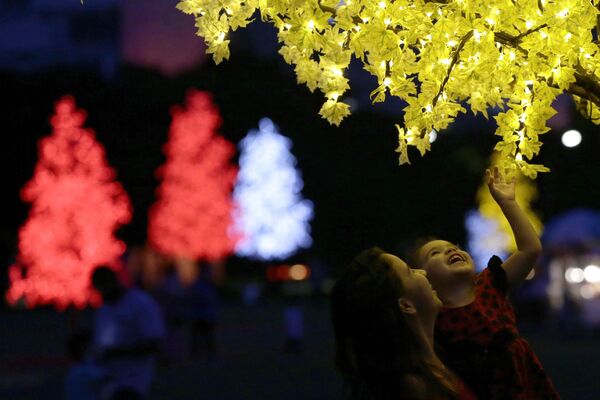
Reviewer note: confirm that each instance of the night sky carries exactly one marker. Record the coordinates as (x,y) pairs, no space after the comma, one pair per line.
(361,195)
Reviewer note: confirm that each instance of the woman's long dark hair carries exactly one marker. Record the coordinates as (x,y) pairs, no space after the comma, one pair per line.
(375,347)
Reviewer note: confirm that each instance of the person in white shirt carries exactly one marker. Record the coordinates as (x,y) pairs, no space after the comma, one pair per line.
(128,329)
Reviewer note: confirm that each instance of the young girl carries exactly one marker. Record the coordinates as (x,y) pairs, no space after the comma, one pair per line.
(476,329)
(383,316)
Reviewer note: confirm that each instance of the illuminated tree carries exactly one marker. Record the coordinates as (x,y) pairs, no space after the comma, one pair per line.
(273,217)
(76,206)
(485,238)
(435,55)
(192,216)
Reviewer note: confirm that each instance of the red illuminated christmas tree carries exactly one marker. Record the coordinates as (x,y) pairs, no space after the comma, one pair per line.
(193,213)
(76,206)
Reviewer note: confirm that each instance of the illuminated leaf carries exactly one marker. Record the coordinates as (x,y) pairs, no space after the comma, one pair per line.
(513,55)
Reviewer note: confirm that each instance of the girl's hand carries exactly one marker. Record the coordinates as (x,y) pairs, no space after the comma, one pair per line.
(500,190)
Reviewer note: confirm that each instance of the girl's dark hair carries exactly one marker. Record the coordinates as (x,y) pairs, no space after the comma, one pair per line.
(412,253)
(375,348)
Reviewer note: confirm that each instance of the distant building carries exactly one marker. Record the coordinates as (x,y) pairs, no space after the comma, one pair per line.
(98,35)
(157,35)
(48,34)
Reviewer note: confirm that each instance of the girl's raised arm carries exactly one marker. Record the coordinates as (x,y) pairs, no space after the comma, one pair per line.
(529,247)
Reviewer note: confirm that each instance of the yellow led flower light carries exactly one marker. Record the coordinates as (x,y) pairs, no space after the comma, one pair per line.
(436,55)
(526,193)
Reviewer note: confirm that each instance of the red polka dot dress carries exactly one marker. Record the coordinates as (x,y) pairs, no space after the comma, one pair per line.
(481,343)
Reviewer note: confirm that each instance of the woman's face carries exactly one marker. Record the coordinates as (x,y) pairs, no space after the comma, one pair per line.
(416,287)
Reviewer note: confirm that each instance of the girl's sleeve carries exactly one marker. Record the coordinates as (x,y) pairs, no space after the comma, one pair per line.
(496,274)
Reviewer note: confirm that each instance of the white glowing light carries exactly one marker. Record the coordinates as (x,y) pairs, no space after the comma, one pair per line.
(571,138)
(337,72)
(591,273)
(574,275)
(485,238)
(273,217)
(587,291)
(432,136)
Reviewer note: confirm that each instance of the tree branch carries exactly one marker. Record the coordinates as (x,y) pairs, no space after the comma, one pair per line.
(540,6)
(508,40)
(529,32)
(455,58)
(586,87)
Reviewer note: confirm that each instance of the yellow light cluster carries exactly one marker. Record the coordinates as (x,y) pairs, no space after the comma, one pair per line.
(526,193)
(441,56)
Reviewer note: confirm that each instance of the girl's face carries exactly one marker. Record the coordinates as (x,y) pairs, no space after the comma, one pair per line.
(416,287)
(445,262)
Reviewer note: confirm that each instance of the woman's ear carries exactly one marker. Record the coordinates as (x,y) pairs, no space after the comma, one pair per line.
(406,306)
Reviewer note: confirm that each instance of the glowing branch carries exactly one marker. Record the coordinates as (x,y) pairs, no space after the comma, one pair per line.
(435,55)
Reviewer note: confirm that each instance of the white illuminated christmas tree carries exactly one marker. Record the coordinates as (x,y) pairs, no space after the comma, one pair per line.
(273,217)
(485,239)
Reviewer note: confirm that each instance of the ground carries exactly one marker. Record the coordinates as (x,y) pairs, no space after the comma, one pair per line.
(250,363)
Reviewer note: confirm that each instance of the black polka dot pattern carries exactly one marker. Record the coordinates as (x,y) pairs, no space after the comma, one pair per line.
(480,341)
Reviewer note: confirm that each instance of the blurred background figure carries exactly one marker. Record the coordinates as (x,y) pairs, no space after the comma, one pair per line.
(293,322)
(128,329)
(84,378)
(146,267)
(188,299)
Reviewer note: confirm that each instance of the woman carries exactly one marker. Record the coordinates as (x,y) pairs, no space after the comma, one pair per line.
(383,317)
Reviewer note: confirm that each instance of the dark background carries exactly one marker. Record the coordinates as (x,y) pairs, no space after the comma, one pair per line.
(351,173)
(361,195)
